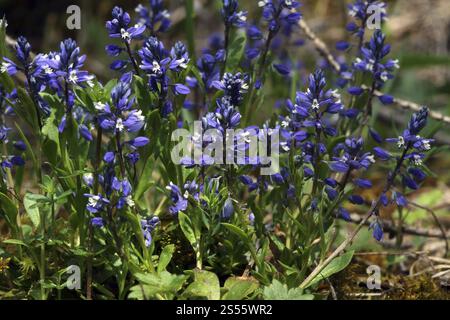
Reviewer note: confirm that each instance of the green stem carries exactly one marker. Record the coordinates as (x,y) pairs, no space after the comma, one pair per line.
(42,258)
(189,5)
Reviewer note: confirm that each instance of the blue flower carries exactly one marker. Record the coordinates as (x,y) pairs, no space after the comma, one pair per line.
(67,63)
(226,116)
(359,11)
(231,15)
(156,62)
(363,183)
(278,12)
(155,17)
(209,68)
(120,118)
(234,87)
(118,27)
(179,201)
(96,203)
(377,230)
(36,72)
(179,56)
(381,153)
(412,147)
(371,61)
(147,226)
(228,209)
(97,222)
(351,156)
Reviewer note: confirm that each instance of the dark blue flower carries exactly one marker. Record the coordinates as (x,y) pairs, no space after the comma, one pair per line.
(377,230)
(228,209)
(279,12)
(118,27)
(120,117)
(147,226)
(225,117)
(381,153)
(371,61)
(179,201)
(96,203)
(363,183)
(234,86)
(359,10)
(36,71)
(209,68)
(97,222)
(342,45)
(85,132)
(155,17)
(180,57)
(351,156)
(355,91)
(231,15)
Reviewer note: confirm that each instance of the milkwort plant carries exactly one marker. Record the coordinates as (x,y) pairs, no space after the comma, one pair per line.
(103,191)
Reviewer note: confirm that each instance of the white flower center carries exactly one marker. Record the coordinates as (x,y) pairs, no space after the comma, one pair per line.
(242,16)
(315,104)
(165,14)
(119,124)
(417,160)
(5,66)
(47,69)
(125,34)
(284,146)
(73,78)
(3,23)
(93,201)
(400,142)
(100,106)
(156,67)
(129,201)
(396,64)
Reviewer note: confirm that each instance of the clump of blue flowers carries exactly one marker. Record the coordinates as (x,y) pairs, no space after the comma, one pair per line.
(102,184)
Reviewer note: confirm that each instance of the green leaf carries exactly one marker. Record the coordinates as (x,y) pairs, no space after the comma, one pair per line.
(239,288)
(5,79)
(237,231)
(145,180)
(51,146)
(15,241)
(188,229)
(3,48)
(206,284)
(29,149)
(163,284)
(143,95)
(30,204)
(336,265)
(236,50)
(165,257)
(278,291)
(8,210)
(27,109)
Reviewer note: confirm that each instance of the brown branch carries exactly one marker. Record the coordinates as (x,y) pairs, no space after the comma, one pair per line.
(441,227)
(321,47)
(325,52)
(390,228)
(318,269)
(408,105)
